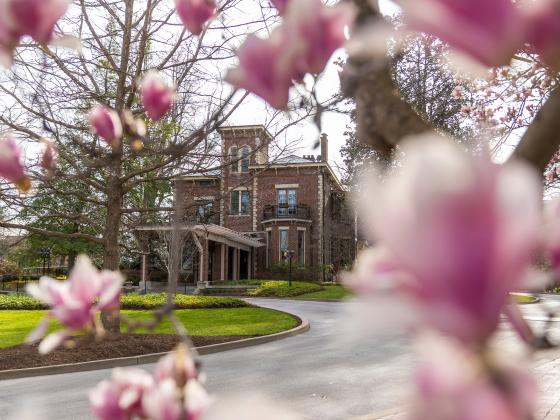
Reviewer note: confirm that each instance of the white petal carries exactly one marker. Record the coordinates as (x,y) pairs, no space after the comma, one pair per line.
(52,341)
(39,331)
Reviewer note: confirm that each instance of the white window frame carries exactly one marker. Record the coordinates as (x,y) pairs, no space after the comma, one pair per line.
(304,230)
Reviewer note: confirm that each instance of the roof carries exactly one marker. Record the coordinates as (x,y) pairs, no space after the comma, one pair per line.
(245,127)
(208,173)
(291,159)
(213,232)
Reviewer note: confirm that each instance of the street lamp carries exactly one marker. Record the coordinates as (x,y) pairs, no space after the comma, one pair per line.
(46,255)
(289,255)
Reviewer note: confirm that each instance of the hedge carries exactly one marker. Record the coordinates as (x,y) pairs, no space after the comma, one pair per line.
(150,301)
(275,288)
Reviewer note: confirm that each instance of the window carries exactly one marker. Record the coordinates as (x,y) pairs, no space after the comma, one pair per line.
(240,202)
(233,159)
(287,202)
(204,183)
(301,247)
(245,159)
(204,212)
(283,244)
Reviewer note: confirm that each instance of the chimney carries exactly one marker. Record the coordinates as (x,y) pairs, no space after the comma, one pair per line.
(324,148)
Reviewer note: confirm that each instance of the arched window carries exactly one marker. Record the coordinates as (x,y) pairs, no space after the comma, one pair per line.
(245,152)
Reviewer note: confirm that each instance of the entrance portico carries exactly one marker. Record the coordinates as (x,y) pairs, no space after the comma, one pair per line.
(223,254)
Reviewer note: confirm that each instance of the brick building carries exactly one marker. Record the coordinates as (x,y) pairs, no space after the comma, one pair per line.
(249,218)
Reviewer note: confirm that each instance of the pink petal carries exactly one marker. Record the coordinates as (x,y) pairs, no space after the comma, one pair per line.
(195,13)
(106,124)
(52,341)
(38,332)
(11,165)
(109,298)
(85,281)
(157,97)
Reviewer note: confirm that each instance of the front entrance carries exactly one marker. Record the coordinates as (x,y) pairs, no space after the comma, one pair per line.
(243,265)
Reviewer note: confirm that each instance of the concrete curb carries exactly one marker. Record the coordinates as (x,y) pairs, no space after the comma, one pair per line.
(151,358)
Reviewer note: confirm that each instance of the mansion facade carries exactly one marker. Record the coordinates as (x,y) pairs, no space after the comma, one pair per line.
(255,216)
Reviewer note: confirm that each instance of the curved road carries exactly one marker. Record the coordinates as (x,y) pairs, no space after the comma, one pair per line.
(330,372)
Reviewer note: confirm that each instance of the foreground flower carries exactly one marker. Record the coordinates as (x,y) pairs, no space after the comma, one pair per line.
(195,13)
(319,29)
(309,34)
(157,97)
(11,165)
(121,397)
(106,124)
(488,31)
(453,383)
(174,394)
(36,18)
(266,68)
(280,5)
(459,233)
(543,30)
(76,302)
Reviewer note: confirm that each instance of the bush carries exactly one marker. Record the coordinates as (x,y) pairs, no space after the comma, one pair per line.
(274,288)
(150,301)
(155,300)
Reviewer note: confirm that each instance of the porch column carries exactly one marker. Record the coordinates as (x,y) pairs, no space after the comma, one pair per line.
(250,263)
(204,261)
(223,250)
(235,263)
(145,252)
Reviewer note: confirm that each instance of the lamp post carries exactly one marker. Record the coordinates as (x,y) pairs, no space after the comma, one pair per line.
(289,255)
(46,255)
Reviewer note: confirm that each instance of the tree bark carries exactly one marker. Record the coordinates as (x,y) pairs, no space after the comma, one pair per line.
(542,138)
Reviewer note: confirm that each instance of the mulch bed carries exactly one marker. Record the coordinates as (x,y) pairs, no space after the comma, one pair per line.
(113,345)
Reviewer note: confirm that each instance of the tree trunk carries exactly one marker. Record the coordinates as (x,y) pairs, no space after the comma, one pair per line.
(111,254)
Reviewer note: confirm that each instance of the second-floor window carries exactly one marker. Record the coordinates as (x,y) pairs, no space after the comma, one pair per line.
(204,212)
(233,159)
(245,159)
(240,202)
(287,201)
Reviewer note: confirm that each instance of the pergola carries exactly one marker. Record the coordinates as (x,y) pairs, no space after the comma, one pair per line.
(226,254)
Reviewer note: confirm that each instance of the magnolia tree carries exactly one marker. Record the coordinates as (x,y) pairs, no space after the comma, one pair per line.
(455,233)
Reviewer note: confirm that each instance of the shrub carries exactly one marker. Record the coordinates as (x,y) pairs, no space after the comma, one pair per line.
(274,288)
(150,301)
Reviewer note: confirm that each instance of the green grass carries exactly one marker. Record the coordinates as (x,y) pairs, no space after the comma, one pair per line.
(334,292)
(523,298)
(16,324)
(150,301)
(275,288)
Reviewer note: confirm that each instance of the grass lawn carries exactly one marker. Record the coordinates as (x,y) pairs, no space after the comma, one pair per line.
(15,325)
(334,292)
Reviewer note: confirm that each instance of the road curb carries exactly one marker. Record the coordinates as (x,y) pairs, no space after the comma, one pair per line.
(151,358)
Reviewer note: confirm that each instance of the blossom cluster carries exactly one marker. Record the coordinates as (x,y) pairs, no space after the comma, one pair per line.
(174,392)
(75,303)
(309,34)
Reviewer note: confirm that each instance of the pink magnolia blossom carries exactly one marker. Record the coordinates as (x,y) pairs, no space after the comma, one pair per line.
(11,165)
(75,302)
(455,384)
(459,233)
(488,31)
(552,234)
(543,29)
(319,31)
(36,18)
(157,97)
(48,159)
(195,13)
(280,5)
(266,68)
(303,43)
(121,397)
(106,123)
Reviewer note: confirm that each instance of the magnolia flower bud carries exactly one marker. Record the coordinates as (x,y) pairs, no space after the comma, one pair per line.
(195,13)
(105,123)
(11,166)
(157,97)
(48,160)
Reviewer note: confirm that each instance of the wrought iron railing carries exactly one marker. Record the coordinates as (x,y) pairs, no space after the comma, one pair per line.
(287,212)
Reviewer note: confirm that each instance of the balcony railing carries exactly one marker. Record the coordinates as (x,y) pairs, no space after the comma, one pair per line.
(287,212)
